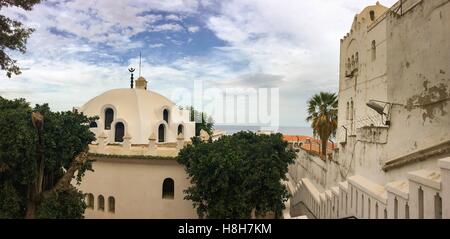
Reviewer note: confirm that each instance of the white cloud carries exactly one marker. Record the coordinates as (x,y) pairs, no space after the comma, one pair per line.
(157,45)
(167,27)
(193,29)
(173,17)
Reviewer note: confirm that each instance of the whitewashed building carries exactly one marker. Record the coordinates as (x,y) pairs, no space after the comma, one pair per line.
(393,156)
(139,132)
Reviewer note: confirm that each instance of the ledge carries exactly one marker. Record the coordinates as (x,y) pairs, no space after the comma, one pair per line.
(133,157)
(421,155)
(400,188)
(312,189)
(370,188)
(445,163)
(343,186)
(335,191)
(428,178)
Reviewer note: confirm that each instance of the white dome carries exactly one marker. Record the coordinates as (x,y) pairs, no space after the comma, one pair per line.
(141,112)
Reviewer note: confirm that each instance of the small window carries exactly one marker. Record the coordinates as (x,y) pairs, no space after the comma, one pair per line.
(109,118)
(111,204)
(372,15)
(357,59)
(180,129)
(385,214)
(168,189)
(101,203)
(93,124)
(374,50)
(90,201)
(166,115)
(161,133)
(119,132)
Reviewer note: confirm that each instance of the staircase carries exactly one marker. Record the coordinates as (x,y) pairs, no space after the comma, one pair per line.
(424,194)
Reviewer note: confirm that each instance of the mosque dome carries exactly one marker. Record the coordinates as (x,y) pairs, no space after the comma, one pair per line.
(137,113)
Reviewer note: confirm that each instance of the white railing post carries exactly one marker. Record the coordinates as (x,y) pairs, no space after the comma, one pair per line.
(444,164)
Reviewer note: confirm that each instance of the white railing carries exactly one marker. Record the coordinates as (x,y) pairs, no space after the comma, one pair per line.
(424,194)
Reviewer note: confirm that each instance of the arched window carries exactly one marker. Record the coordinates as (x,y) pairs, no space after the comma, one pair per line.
(357,59)
(372,15)
(368,208)
(385,214)
(161,133)
(111,204)
(93,124)
(109,118)
(101,203)
(119,132)
(168,189)
(374,50)
(180,129)
(90,201)
(166,115)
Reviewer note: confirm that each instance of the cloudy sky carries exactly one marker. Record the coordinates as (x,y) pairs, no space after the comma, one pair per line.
(82,48)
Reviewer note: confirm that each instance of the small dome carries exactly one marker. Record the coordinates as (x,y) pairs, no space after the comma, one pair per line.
(141,112)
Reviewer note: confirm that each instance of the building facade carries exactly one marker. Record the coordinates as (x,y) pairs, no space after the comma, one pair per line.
(393,133)
(138,135)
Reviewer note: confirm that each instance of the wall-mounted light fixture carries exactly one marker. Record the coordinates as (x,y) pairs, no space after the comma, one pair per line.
(381,109)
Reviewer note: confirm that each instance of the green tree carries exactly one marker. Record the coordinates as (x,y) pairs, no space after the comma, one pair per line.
(40,153)
(13,35)
(237,175)
(322,113)
(202,121)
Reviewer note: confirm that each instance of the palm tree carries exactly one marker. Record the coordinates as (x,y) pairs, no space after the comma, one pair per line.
(322,113)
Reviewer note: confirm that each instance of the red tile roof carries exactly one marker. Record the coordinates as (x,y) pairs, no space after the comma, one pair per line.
(309,144)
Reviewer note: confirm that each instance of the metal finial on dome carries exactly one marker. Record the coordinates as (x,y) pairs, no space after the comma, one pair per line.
(131,70)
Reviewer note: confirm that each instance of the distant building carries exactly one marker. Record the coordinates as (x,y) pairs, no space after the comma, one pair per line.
(139,132)
(308,144)
(393,156)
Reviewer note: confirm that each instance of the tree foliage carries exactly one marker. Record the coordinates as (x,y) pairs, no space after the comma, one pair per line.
(237,175)
(322,113)
(13,35)
(25,186)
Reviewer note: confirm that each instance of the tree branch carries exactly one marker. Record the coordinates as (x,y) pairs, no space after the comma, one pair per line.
(64,182)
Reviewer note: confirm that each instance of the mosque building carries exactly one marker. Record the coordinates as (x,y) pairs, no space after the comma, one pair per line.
(138,135)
